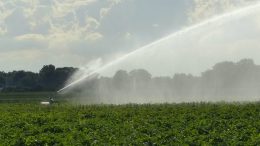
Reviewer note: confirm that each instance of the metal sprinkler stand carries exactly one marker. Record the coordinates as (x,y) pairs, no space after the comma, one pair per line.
(49,102)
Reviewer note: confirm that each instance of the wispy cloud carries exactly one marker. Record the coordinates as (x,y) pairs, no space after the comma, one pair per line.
(31,37)
(5,12)
(203,9)
(55,22)
(104,11)
(72,32)
(61,8)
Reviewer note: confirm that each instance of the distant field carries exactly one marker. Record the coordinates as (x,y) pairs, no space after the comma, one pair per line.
(166,124)
(28,97)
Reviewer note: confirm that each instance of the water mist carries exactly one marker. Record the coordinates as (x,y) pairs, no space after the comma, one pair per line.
(193,50)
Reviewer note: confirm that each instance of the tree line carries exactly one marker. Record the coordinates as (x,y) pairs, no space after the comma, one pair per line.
(49,78)
(223,80)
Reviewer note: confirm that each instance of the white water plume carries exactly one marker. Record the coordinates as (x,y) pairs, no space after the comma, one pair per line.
(86,70)
(193,49)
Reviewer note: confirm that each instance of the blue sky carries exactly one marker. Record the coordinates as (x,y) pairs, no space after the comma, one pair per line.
(74,32)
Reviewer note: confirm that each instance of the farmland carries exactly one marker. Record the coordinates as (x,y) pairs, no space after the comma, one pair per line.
(157,124)
(29,97)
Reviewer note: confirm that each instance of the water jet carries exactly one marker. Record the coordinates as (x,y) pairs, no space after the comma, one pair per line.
(186,40)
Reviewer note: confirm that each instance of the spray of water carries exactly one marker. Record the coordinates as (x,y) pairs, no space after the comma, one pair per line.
(239,12)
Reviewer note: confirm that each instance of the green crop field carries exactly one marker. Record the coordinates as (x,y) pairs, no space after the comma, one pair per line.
(165,124)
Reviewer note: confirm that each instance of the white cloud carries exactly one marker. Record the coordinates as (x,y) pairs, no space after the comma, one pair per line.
(104,11)
(94,36)
(92,23)
(63,28)
(62,8)
(53,22)
(203,9)
(30,8)
(75,32)
(35,11)
(4,13)
(31,37)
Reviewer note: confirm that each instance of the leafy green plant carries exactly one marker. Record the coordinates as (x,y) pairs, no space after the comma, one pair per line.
(165,124)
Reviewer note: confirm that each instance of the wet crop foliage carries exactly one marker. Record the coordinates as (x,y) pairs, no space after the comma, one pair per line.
(157,124)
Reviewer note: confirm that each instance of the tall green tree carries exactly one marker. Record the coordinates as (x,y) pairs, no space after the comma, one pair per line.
(47,77)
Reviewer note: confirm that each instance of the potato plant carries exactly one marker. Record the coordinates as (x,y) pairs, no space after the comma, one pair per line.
(161,124)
